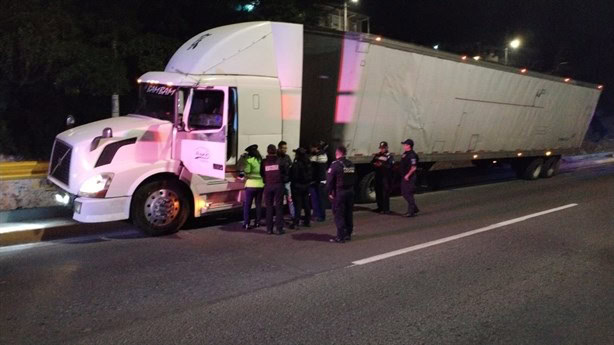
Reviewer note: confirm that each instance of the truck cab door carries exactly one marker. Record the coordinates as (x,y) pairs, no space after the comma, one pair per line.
(203,149)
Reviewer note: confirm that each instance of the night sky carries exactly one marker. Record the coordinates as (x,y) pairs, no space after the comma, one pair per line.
(572,38)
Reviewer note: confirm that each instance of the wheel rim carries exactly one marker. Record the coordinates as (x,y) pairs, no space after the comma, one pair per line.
(161,207)
(537,171)
(371,190)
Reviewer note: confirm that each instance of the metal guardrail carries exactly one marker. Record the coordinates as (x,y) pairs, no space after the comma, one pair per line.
(23,170)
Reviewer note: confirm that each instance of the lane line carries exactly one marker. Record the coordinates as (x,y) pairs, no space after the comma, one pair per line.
(456,237)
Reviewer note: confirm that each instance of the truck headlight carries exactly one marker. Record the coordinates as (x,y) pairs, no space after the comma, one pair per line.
(96,186)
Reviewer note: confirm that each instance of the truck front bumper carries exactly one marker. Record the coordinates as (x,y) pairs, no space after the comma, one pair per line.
(96,210)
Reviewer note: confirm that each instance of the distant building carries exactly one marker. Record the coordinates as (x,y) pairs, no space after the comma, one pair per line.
(332,18)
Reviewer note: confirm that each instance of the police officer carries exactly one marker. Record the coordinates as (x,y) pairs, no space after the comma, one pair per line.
(409,165)
(273,174)
(382,164)
(340,187)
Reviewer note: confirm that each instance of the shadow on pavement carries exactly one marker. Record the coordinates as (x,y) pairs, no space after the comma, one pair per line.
(310,236)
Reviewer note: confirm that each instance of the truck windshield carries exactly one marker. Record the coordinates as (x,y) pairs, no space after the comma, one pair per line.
(157,101)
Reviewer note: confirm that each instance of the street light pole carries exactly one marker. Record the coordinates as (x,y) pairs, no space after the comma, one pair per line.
(345,16)
(345,13)
(514,44)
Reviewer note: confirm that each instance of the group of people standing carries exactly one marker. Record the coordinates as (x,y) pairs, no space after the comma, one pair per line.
(307,182)
(277,177)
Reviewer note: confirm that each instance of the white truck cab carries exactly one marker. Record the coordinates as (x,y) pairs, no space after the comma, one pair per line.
(176,155)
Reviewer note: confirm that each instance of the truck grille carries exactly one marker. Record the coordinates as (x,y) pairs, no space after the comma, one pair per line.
(59,166)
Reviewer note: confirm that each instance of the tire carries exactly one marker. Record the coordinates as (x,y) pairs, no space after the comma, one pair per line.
(366,188)
(551,167)
(531,169)
(160,207)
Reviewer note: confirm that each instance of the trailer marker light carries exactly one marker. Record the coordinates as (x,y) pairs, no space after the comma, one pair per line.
(378,38)
(600,87)
(524,70)
(519,154)
(464,57)
(494,162)
(548,153)
(567,80)
(475,156)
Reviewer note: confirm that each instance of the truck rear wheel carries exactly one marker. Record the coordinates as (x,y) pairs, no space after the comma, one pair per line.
(551,167)
(160,207)
(530,169)
(366,188)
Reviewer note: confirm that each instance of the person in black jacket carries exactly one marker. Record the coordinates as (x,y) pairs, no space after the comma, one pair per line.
(319,163)
(340,185)
(301,178)
(382,164)
(274,174)
(409,166)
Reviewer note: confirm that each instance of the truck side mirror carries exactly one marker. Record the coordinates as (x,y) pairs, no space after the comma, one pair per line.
(70,121)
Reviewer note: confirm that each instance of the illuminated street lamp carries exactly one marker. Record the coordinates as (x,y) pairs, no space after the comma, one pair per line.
(514,44)
(345,13)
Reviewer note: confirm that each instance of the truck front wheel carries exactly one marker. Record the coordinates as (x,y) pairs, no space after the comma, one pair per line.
(160,207)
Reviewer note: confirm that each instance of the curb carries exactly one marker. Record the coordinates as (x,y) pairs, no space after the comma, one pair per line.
(35,214)
(53,229)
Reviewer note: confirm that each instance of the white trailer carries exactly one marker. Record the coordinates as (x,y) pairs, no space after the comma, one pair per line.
(262,82)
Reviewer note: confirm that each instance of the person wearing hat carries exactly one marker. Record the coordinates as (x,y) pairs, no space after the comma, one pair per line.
(409,165)
(319,164)
(340,187)
(382,164)
(274,173)
(301,177)
(250,170)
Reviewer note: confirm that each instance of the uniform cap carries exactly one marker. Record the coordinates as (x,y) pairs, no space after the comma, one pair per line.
(383,144)
(251,148)
(300,151)
(408,142)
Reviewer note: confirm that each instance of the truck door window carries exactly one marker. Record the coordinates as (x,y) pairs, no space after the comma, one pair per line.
(232,136)
(206,110)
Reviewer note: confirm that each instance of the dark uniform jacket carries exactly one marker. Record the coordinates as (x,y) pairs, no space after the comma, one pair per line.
(273,171)
(301,174)
(341,175)
(409,159)
(382,163)
(286,161)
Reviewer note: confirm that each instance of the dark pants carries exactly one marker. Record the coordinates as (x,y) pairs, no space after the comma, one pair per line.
(250,195)
(382,192)
(343,205)
(408,188)
(300,196)
(317,193)
(274,199)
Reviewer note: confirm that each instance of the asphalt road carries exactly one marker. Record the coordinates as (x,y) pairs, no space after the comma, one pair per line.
(544,279)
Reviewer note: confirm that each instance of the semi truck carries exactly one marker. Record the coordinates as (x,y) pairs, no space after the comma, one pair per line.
(233,86)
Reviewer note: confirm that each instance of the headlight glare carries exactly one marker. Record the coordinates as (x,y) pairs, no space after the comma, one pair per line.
(96,186)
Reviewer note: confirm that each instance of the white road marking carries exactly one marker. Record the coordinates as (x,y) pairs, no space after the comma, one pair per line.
(458,236)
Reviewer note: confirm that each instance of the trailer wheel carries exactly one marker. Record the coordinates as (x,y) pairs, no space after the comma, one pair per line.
(551,167)
(366,188)
(160,207)
(531,170)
